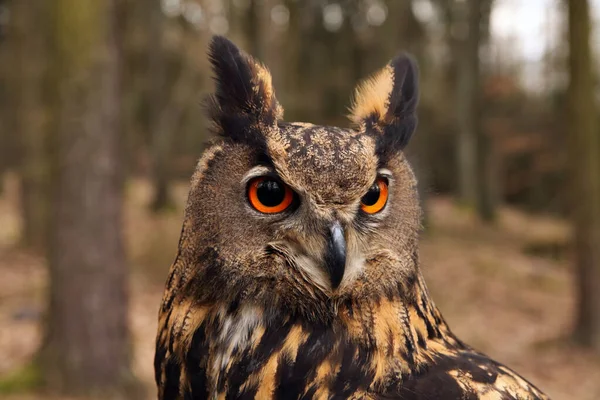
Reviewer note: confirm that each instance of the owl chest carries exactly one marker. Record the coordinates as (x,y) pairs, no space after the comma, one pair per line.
(247,358)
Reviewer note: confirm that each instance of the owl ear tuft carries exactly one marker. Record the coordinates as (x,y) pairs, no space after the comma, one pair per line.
(385,105)
(244,102)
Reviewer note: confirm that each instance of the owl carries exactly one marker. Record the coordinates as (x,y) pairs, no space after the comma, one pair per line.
(297,274)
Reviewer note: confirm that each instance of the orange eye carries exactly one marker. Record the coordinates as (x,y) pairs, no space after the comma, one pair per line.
(269,195)
(376,197)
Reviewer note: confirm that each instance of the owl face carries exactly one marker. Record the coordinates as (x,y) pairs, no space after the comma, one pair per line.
(300,215)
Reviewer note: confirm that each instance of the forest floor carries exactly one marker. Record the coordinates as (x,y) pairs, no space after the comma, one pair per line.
(506,290)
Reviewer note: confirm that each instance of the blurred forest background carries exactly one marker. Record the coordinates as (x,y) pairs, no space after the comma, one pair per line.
(101,126)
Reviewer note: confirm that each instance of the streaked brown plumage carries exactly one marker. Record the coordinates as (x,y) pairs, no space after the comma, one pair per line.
(323,300)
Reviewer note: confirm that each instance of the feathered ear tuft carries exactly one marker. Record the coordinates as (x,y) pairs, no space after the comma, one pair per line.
(385,105)
(244,104)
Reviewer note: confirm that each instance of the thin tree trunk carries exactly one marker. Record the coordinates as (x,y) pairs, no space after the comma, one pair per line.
(30,27)
(252,28)
(168,123)
(585,163)
(474,147)
(161,137)
(87,347)
(467,105)
(486,178)
(133,78)
(486,159)
(6,86)
(169,102)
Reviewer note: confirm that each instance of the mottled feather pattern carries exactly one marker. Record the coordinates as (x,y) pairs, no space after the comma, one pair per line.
(385,348)
(250,310)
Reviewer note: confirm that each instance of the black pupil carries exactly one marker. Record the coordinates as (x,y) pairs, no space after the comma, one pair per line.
(270,193)
(372,195)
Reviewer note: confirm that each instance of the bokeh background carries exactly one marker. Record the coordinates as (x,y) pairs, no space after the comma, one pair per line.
(101,125)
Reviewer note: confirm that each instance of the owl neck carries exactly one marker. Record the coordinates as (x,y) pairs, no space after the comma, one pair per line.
(404,323)
(374,340)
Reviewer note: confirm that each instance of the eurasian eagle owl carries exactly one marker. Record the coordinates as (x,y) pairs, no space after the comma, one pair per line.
(297,275)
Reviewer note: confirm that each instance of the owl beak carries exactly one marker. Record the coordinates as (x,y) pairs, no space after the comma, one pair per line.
(335,257)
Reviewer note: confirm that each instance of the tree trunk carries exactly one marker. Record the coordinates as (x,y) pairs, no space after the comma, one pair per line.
(467,93)
(86,348)
(585,164)
(474,148)
(6,86)
(169,122)
(252,28)
(161,138)
(487,194)
(30,113)
(170,98)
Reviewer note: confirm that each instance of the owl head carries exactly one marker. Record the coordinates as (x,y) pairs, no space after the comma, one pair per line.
(294,216)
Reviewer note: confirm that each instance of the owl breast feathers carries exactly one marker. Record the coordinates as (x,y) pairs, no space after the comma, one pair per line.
(297,274)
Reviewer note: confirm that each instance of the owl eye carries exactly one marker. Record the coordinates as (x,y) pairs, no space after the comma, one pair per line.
(376,198)
(269,195)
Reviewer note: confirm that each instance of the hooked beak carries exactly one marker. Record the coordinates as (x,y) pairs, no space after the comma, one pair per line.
(335,256)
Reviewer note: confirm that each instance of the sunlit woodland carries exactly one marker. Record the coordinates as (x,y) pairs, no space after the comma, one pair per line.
(102,123)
